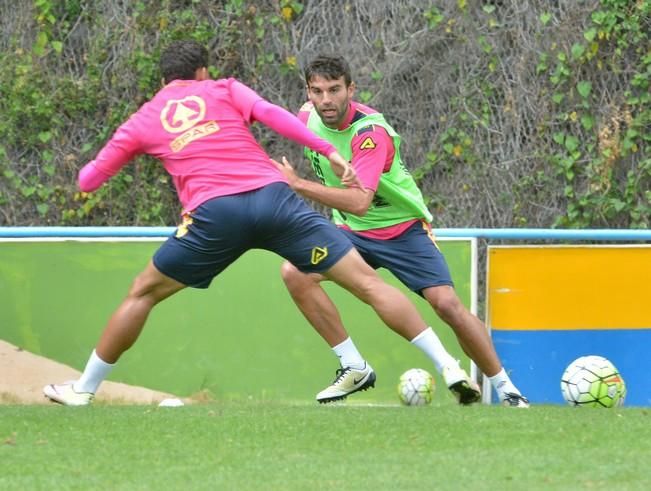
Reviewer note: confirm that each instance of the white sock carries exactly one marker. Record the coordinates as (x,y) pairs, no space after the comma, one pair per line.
(95,372)
(348,354)
(502,384)
(428,342)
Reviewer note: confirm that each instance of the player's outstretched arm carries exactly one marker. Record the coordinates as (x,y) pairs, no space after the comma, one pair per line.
(118,151)
(91,178)
(344,170)
(288,125)
(355,199)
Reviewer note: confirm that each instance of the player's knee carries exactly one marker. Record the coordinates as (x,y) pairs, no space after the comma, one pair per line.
(141,285)
(295,280)
(446,303)
(369,287)
(289,273)
(149,285)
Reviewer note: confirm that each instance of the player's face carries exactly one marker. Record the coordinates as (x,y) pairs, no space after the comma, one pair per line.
(330,98)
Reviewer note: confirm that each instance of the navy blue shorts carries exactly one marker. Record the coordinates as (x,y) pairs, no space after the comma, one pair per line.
(273,218)
(413,257)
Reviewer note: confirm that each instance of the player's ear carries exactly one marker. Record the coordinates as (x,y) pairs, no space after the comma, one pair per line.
(201,73)
(351,89)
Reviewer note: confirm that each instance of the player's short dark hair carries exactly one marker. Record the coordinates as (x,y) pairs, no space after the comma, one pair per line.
(181,59)
(328,67)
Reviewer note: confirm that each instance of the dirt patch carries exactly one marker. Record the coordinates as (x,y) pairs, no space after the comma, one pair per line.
(23,375)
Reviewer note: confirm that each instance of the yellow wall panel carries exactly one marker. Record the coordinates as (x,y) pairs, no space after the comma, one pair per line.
(569,287)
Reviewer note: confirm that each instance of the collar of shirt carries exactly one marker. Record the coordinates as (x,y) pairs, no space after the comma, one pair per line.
(350,113)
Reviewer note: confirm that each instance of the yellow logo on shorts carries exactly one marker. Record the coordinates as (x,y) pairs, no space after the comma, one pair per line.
(319,254)
(182,229)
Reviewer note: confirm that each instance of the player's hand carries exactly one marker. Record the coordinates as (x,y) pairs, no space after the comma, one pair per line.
(288,171)
(344,170)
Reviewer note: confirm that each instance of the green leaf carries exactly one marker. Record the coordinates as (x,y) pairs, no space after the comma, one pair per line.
(590,34)
(619,205)
(489,9)
(49,169)
(577,51)
(42,208)
(559,138)
(587,121)
(28,191)
(584,87)
(58,46)
(571,143)
(434,17)
(41,42)
(365,96)
(558,97)
(45,136)
(545,17)
(598,17)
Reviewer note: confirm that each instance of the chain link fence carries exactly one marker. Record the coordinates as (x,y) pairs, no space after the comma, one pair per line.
(468,85)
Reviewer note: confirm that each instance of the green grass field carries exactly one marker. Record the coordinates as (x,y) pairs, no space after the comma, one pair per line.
(262,445)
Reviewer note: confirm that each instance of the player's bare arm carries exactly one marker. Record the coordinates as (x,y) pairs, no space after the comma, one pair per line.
(344,170)
(353,199)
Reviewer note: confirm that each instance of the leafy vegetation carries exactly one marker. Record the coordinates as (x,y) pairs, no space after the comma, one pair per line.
(508,119)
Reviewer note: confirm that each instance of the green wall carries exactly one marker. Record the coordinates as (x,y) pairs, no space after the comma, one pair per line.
(241,337)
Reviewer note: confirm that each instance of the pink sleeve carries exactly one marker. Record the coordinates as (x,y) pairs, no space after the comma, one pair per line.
(255,108)
(244,98)
(90,177)
(286,124)
(373,153)
(120,149)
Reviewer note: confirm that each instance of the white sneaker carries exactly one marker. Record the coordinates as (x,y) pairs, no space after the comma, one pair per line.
(465,390)
(347,381)
(511,399)
(65,394)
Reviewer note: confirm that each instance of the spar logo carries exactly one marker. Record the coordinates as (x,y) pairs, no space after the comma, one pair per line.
(183,116)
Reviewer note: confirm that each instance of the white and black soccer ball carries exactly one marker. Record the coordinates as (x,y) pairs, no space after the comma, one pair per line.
(416,387)
(593,381)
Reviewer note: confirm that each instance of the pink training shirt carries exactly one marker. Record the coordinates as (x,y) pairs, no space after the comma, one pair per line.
(369,161)
(200,132)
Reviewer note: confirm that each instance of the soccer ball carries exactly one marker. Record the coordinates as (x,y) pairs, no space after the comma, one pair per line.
(416,387)
(593,381)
